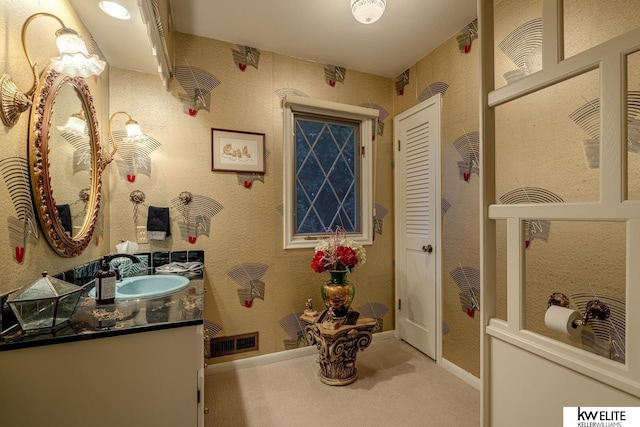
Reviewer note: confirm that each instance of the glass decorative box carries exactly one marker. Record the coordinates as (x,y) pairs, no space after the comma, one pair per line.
(46,304)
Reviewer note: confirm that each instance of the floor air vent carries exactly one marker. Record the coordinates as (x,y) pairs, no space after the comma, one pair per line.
(224,346)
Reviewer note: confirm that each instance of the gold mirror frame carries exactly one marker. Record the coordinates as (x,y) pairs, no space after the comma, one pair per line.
(40,127)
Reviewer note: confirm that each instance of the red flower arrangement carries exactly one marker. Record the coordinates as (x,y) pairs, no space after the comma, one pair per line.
(337,252)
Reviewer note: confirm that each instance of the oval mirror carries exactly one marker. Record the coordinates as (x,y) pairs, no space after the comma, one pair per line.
(64,158)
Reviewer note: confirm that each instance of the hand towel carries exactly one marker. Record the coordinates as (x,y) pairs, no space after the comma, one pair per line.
(158,223)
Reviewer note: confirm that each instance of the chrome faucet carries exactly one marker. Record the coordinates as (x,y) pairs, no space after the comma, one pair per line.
(109,258)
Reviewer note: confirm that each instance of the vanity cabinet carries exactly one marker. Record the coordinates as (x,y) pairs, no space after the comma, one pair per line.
(148,378)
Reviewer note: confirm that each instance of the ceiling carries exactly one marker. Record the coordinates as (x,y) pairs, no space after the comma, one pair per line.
(316,30)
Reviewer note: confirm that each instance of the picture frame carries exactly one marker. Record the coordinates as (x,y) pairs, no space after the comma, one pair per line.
(237,151)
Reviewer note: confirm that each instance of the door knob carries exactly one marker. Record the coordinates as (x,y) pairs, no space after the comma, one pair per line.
(427,248)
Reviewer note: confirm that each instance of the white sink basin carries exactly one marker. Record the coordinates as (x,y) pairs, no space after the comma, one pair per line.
(151,286)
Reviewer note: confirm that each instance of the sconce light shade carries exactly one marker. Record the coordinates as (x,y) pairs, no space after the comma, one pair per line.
(74,59)
(134,133)
(76,125)
(368,11)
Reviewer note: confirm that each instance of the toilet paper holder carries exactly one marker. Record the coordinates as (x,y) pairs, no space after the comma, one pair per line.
(595,309)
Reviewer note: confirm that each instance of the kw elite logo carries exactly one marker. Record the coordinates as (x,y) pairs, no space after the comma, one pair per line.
(600,416)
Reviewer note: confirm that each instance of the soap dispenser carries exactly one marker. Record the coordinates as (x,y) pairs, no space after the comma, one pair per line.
(105,284)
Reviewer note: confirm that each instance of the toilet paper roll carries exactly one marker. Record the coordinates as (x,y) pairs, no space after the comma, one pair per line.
(563,320)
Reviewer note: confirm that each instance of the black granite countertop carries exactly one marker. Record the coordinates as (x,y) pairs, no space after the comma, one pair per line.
(89,321)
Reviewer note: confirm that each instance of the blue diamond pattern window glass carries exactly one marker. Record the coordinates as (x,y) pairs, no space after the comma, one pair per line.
(327,173)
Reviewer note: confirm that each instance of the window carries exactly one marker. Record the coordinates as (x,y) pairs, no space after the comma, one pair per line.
(328,170)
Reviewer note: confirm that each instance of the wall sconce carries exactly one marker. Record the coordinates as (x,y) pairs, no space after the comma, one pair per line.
(134,149)
(134,134)
(74,61)
(367,11)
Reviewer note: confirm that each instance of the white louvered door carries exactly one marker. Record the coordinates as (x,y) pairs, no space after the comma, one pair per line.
(417,172)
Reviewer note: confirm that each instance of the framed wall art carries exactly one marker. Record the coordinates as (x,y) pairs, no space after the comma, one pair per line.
(237,151)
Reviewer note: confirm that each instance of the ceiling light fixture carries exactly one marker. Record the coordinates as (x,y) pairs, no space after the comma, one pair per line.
(368,11)
(115,10)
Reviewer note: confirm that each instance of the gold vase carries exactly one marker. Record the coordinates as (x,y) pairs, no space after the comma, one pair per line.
(338,293)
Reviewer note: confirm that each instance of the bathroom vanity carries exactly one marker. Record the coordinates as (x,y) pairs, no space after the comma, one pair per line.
(130,363)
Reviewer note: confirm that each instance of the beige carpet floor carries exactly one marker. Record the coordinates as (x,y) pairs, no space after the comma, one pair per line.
(397,386)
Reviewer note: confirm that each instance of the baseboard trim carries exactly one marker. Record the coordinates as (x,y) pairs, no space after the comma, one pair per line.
(265,359)
(465,376)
